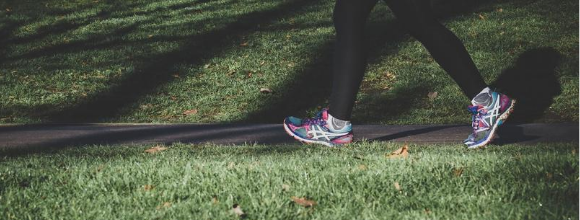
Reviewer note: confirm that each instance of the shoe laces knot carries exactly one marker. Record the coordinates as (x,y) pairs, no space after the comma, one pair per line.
(479,114)
(318,120)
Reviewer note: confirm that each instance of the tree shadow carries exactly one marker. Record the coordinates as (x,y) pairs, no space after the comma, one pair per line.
(532,83)
(157,70)
(92,135)
(311,87)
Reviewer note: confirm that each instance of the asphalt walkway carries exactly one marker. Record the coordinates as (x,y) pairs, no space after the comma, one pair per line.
(61,135)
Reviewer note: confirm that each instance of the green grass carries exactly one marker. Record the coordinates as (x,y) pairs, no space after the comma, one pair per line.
(149,61)
(356,182)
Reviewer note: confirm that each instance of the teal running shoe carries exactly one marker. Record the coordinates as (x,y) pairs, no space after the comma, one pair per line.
(316,130)
(486,119)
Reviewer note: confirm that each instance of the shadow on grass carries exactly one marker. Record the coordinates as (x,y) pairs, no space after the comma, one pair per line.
(532,82)
(157,70)
(311,88)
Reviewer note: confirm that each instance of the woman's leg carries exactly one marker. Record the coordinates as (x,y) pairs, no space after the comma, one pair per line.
(350,54)
(416,16)
(490,109)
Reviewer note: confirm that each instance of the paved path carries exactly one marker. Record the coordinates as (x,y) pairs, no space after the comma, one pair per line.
(19,136)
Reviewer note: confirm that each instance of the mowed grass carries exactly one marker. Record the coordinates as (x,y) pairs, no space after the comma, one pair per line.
(152,61)
(355,182)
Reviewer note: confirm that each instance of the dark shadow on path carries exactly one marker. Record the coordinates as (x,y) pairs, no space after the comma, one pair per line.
(65,136)
(23,140)
(414,132)
(532,82)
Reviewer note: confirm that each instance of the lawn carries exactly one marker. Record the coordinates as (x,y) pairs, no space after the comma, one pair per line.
(201,61)
(206,61)
(355,182)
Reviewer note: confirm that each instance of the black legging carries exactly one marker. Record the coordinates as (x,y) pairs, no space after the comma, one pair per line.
(350,52)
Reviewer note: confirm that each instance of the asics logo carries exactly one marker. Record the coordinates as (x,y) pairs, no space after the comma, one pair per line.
(317,132)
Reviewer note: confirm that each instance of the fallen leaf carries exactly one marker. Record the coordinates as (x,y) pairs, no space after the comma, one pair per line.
(362,167)
(549,176)
(427,211)
(175,75)
(458,171)
(265,90)
(214,200)
(397,186)
(390,75)
(399,153)
(432,95)
(155,149)
(164,205)
(481,17)
(190,112)
(148,187)
(303,201)
(500,10)
(237,209)
(149,36)
(244,44)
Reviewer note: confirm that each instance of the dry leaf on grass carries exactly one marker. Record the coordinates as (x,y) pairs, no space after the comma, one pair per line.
(303,201)
(399,153)
(155,149)
(362,167)
(244,44)
(432,95)
(214,200)
(148,187)
(397,186)
(481,17)
(165,205)
(458,171)
(190,112)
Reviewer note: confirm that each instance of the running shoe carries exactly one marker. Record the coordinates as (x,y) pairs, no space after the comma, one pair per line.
(316,130)
(486,119)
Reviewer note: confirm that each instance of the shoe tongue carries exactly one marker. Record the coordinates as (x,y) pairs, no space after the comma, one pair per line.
(483,99)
